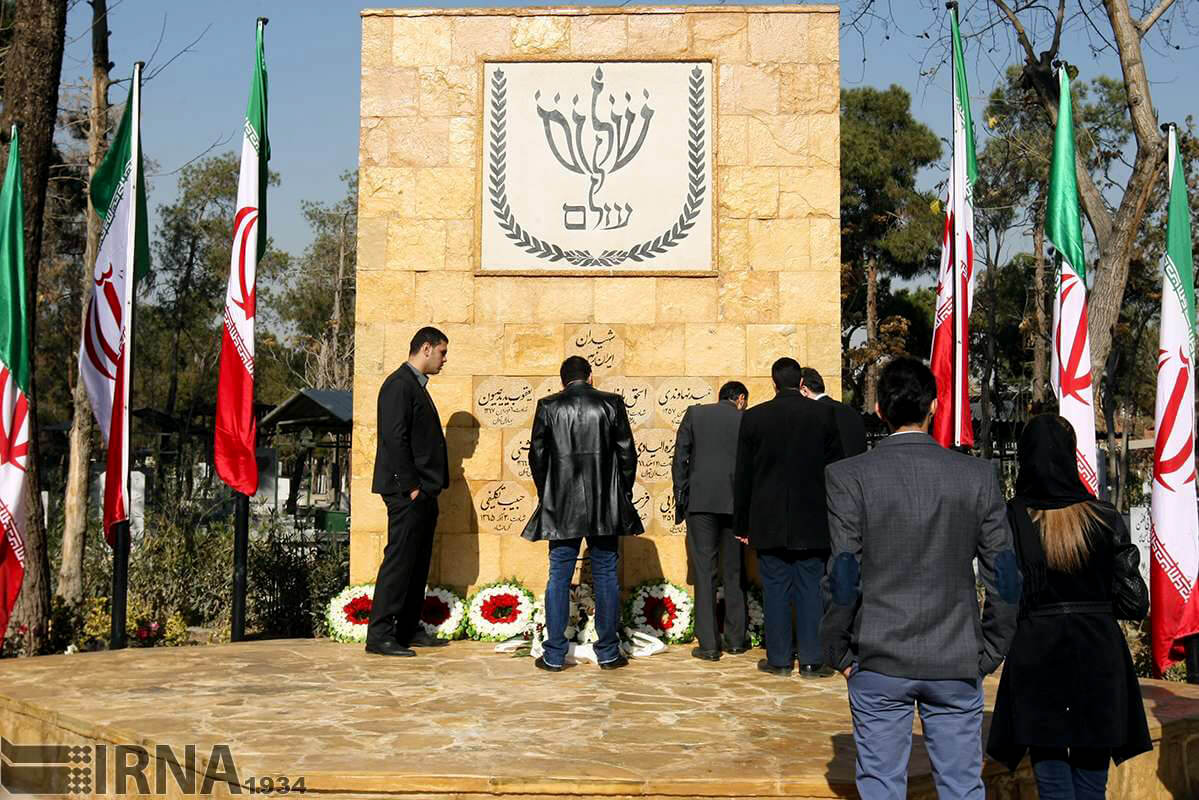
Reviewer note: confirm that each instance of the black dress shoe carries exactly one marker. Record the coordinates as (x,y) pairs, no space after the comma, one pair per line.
(616,663)
(706,655)
(540,664)
(422,639)
(389,647)
(736,651)
(770,669)
(814,671)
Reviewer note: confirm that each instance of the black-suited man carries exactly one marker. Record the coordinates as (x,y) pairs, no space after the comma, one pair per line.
(849,421)
(411,470)
(779,501)
(705,453)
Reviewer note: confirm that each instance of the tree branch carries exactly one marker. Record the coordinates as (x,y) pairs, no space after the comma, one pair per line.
(1152,17)
(1021,34)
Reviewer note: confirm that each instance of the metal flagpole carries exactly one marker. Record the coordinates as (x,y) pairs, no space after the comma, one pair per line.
(957,251)
(121,534)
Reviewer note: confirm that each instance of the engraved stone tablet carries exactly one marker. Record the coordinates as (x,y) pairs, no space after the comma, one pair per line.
(516,455)
(676,395)
(601,345)
(665,509)
(643,503)
(655,451)
(504,402)
(503,507)
(546,388)
(597,165)
(638,397)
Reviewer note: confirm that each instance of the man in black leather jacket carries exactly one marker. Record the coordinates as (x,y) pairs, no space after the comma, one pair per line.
(583,462)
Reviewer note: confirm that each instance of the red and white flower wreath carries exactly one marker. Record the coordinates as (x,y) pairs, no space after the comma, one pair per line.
(349,612)
(499,611)
(444,613)
(661,609)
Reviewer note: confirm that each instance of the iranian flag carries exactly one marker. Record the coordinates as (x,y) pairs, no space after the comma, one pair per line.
(236,428)
(119,195)
(1174,515)
(955,283)
(14,385)
(1070,359)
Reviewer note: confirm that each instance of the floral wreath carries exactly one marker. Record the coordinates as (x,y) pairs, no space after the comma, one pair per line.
(580,620)
(444,613)
(349,613)
(499,611)
(661,609)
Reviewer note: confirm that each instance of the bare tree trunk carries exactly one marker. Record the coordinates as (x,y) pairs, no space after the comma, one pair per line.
(1040,335)
(1114,467)
(870,393)
(32,69)
(74,533)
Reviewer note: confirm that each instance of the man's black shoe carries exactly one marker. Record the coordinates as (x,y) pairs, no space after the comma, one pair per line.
(616,663)
(814,671)
(736,651)
(706,655)
(389,647)
(770,669)
(540,664)
(423,639)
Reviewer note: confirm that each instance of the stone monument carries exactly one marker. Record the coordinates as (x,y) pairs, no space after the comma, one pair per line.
(655,189)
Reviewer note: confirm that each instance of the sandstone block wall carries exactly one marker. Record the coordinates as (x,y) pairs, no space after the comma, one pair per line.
(663,341)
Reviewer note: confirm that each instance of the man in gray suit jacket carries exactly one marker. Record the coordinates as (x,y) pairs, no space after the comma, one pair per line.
(906,520)
(705,454)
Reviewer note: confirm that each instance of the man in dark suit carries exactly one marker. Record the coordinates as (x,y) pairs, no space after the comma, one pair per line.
(411,469)
(705,454)
(583,461)
(907,521)
(783,447)
(849,422)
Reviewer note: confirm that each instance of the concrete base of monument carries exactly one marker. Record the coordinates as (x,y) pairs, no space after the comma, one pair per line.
(462,722)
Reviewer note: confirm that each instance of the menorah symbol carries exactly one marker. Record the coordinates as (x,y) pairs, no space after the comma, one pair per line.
(613,147)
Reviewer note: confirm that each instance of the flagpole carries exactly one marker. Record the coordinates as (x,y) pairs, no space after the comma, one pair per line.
(241,524)
(121,533)
(952,7)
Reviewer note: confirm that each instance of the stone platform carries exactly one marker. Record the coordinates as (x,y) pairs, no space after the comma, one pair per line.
(463,722)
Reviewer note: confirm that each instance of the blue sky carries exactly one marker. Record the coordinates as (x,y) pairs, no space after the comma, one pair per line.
(313,57)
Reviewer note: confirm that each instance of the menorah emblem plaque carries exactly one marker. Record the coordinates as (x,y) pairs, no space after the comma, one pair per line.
(597,165)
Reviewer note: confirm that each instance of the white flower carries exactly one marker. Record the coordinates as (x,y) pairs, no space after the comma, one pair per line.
(341,627)
(449,628)
(680,626)
(518,618)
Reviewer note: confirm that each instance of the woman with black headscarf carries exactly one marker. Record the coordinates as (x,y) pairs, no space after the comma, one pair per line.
(1068,694)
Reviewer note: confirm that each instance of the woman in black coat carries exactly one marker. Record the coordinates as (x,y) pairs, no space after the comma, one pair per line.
(1068,694)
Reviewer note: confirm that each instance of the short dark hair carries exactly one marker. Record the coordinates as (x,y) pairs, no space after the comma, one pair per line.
(427,335)
(812,380)
(732,390)
(575,368)
(787,373)
(906,390)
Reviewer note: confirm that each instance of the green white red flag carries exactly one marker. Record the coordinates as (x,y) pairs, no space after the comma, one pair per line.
(105,363)
(1070,357)
(955,283)
(14,385)
(1174,544)
(236,428)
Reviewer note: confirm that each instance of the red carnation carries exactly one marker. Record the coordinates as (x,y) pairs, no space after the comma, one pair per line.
(500,609)
(660,613)
(435,611)
(358,610)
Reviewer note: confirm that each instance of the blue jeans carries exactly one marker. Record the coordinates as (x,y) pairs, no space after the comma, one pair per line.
(952,714)
(605,555)
(791,591)
(1079,774)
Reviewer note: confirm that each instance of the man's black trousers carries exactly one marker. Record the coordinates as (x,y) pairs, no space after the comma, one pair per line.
(400,585)
(710,541)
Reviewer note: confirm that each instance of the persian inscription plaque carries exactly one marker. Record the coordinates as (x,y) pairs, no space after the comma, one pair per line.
(638,397)
(602,165)
(503,507)
(676,395)
(655,452)
(601,345)
(504,402)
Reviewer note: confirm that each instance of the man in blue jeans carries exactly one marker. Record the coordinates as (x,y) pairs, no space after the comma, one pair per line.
(902,622)
(583,462)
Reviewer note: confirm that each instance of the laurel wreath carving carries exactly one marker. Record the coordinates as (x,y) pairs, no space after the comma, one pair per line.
(696,168)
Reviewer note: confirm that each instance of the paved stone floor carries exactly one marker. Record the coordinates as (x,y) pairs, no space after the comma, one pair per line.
(463,719)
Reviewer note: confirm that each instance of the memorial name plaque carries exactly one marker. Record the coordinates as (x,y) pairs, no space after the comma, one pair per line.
(643,503)
(504,402)
(516,455)
(655,452)
(665,508)
(503,507)
(597,165)
(675,396)
(601,345)
(638,397)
